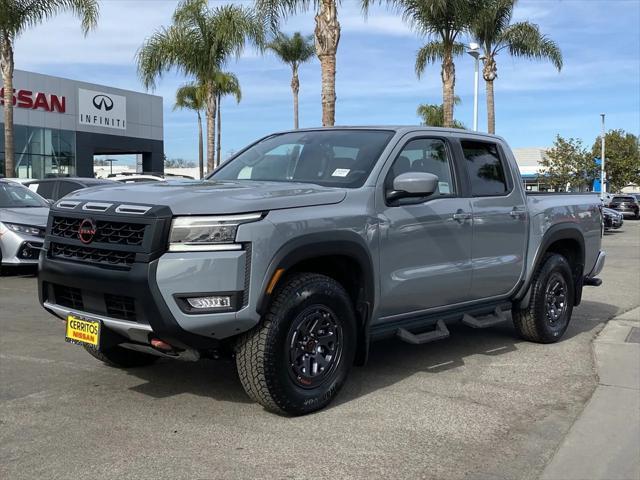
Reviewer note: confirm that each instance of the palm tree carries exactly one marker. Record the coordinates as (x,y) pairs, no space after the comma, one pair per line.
(494,32)
(226,84)
(294,51)
(192,97)
(199,43)
(433,115)
(327,37)
(442,22)
(15,17)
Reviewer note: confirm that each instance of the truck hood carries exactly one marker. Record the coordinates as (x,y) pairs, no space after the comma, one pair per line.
(215,197)
(32,216)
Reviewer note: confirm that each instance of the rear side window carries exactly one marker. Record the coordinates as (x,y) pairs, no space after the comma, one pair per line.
(486,171)
(66,188)
(45,190)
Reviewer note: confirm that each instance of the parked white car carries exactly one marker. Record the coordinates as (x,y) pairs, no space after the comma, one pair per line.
(23,219)
(146,177)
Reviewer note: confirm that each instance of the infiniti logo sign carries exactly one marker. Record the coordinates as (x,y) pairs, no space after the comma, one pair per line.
(102,109)
(102,102)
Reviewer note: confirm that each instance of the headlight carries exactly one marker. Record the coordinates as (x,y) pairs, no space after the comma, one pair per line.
(26,229)
(202,233)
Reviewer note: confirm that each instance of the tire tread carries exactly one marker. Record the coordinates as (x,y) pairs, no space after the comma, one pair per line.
(255,356)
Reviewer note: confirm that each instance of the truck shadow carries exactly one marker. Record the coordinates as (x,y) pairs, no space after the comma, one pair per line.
(390,361)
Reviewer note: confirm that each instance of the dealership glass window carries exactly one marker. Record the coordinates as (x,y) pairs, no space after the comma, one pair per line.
(41,152)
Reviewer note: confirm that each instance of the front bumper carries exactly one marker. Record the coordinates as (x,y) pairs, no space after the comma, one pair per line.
(144,297)
(18,248)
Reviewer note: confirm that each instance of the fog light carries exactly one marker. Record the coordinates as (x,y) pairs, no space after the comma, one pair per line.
(210,302)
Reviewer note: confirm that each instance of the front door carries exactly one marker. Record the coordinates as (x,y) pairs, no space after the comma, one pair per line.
(425,247)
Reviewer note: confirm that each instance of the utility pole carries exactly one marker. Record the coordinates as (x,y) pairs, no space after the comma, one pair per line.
(603,189)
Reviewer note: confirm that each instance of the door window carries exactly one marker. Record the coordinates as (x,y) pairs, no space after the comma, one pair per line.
(486,171)
(427,155)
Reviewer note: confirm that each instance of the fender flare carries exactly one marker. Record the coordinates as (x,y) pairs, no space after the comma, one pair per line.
(321,244)
(560,231)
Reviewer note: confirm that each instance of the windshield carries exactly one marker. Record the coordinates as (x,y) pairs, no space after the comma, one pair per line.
(624,199)
(333,158)
(13,195)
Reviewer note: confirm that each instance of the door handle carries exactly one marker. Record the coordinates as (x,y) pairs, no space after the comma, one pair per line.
(517,214)
(461,216)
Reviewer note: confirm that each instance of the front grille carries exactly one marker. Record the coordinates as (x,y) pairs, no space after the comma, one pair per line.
(115,233)
(68,297)
(94,255)
(120,307)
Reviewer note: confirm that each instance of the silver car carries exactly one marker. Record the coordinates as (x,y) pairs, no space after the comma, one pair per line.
(23,219)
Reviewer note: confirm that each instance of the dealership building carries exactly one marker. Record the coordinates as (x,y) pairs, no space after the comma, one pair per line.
(60,124)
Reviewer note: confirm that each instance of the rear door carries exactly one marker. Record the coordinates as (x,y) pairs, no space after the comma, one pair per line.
(425,247)
(500,222)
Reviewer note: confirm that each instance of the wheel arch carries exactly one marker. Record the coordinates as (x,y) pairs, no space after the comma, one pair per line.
(567,240)
(342,256)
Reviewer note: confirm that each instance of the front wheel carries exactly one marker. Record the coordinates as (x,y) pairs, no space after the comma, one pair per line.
(547,316)
(298,358)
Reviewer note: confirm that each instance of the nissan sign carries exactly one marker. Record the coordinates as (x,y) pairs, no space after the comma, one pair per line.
(100,109)
(36,100)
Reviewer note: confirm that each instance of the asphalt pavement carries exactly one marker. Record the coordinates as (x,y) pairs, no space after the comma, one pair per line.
(480,405)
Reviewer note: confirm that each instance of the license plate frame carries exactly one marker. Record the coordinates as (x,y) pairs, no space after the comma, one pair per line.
(83,331)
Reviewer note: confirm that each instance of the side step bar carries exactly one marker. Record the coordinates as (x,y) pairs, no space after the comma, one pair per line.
(440,332)
(486,320)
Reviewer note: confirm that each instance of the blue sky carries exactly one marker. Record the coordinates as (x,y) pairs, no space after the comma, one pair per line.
(376,83)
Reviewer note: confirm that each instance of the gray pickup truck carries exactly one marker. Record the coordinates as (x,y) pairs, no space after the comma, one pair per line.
(308,245)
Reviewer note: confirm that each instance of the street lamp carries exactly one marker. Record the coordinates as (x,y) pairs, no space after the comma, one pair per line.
(603,189)
(111,160)
(474,51)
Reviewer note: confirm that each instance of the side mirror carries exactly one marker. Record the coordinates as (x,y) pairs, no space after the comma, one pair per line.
(413,185)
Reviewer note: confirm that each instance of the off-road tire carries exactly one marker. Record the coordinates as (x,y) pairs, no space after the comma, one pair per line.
(119,357)
(263,354)
(532,322)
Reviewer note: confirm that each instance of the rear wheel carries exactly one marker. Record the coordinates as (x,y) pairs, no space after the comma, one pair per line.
(298,358)
(547,316)
(122,357)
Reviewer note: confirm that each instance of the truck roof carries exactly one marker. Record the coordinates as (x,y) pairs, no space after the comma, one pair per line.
(399,129)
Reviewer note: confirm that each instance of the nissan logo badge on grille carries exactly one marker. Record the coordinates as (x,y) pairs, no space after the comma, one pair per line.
(102,102)
(87,230)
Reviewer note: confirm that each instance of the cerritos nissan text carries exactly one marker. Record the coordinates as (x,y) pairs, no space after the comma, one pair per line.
(307,246)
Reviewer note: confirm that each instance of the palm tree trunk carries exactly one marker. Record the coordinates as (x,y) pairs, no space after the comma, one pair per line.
(219,146)
(448,74)
(491,112)
(200,147)
(211,130)
(6,62)
(327,36)
(295,88)
(489,73)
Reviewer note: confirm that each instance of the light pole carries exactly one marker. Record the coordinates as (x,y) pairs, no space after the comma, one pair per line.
(474,51)
(603,189)
(111,160)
